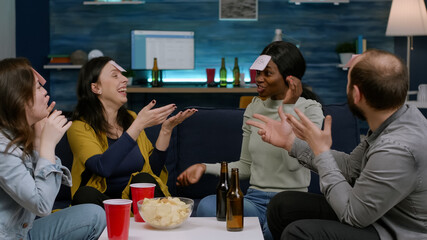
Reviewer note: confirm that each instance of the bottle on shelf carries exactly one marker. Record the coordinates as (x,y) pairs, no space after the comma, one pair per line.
(221,193)
(234,214)
(223,74)
(236,73)
(155,78)
(277,35)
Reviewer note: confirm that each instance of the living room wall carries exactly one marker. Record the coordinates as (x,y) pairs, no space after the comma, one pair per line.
(319,27)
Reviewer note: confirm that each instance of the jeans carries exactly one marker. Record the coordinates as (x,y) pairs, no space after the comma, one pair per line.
(254,205)
(85,221)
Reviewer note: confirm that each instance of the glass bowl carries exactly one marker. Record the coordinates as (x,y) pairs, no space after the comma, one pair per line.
(165,212)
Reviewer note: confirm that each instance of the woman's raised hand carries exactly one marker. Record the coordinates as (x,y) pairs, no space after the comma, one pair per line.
(172,122)
(294,91)
(163,140)
(149,117)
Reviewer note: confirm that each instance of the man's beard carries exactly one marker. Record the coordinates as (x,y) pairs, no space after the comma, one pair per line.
(355,109)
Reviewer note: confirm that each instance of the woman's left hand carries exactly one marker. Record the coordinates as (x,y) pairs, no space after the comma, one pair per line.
(294,91)
(163,140)
(172,122)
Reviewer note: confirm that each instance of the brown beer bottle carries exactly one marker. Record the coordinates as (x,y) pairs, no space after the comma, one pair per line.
(236,73)
(155,75)
(234,203)
(221,193)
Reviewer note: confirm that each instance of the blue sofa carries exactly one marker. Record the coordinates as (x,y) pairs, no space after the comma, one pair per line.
(214,135)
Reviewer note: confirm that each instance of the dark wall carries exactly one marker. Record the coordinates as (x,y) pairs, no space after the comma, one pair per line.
(32,33)
(60,26)
(418,57)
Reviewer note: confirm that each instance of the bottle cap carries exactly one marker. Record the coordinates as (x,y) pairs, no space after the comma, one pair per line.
(278,31)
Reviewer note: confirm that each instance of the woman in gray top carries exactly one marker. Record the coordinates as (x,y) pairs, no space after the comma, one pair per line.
(269,169)
(30,173)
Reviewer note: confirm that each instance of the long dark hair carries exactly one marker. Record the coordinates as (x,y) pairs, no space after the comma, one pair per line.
(16,92)
(89,108)
(289,61)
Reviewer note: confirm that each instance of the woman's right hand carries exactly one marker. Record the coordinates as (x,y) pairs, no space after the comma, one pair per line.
(191,175)
(149,117)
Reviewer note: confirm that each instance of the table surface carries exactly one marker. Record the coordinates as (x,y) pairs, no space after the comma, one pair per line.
(196,228)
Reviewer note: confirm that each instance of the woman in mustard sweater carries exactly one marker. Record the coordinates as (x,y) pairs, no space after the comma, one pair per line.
(108,142)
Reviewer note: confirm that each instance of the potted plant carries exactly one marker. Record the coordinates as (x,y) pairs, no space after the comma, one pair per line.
(345,50)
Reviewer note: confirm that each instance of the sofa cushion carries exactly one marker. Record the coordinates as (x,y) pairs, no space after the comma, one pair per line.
(345,128)
(171,160)
(211,135)
(63,151)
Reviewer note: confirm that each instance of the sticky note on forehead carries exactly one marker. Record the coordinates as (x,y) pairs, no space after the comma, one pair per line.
(39,77)
(261,62)
(117,66)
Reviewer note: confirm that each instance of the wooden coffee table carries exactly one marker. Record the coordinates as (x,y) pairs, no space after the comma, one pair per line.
(196,228)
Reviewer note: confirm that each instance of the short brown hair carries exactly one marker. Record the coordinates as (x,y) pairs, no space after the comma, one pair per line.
(382,78)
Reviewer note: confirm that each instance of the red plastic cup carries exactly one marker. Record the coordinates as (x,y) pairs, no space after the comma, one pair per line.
(118,218)
(210,73)
(253,75)
(139,192)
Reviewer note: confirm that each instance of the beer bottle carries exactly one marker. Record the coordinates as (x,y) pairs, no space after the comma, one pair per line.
(155,75)
(223,74)
(221,193)
(236,73)
(234,214)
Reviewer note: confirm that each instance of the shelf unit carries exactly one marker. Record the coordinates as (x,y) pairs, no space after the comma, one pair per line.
(192,89)
(112,3)
(60,66)
(341,65)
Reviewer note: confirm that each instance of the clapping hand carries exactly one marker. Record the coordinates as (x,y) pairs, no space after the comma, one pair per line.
(318,140)
(277,133)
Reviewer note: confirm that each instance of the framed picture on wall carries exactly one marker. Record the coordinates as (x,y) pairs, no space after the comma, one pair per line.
(244,10)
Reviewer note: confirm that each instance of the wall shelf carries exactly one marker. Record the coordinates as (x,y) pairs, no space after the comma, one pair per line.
(112,3)
(335,2)
(60,66)
(341,65)
(192,89)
